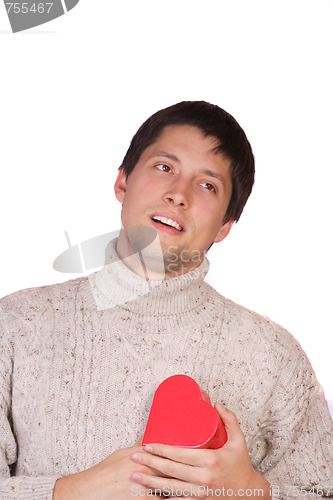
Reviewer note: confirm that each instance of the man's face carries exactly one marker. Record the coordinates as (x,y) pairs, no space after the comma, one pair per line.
(181,188)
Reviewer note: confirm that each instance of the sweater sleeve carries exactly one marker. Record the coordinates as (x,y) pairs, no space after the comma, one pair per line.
(299,429)
(14,487)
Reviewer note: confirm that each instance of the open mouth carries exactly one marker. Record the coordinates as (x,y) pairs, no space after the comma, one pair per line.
(167,222)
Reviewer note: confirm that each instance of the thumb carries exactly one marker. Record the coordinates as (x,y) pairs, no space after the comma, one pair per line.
(230,422)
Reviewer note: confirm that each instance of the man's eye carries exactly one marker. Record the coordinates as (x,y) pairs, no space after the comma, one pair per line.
(163,167)
(208,186)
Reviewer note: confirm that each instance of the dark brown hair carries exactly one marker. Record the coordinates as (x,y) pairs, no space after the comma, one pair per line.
(212,121)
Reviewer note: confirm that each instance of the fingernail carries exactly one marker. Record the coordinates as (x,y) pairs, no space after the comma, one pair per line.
(137,477)
(149,448)
(137,457)
(220,405)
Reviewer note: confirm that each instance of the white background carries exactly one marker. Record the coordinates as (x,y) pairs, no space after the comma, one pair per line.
(75,90)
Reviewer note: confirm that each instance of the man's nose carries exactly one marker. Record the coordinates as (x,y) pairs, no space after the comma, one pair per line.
(178,194)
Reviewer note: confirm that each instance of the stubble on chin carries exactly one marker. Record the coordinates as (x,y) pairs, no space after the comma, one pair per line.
(164,262)
(159,261)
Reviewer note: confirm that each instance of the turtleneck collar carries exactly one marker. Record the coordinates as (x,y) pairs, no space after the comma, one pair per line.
(116,285)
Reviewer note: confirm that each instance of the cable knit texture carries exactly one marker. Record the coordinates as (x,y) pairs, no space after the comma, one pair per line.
(80,362)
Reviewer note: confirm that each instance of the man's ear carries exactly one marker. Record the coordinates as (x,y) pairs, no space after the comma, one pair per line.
(120,186)
(223,231)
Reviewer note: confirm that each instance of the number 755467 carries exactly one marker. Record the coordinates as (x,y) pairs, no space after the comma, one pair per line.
(24,8)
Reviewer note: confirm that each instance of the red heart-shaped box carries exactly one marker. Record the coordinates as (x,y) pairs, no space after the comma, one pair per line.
(182,415)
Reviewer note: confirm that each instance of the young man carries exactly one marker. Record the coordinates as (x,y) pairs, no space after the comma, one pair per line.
(80,361)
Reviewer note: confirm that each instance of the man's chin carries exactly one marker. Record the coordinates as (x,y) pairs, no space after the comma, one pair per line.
(158,258)
(163,262)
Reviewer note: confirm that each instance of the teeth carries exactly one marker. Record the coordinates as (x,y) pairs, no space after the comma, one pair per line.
(169,222)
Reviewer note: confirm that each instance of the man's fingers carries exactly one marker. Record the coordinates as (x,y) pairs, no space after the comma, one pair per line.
(165,467)
(234,432)
(167,486)
(188,456)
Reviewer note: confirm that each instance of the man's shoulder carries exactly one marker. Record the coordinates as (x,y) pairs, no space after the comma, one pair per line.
(38,297)
(247,319)
(251,328)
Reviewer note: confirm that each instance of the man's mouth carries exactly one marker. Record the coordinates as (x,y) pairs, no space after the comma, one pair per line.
(167,222)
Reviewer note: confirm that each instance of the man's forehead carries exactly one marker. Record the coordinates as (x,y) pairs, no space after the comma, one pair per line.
(172,134)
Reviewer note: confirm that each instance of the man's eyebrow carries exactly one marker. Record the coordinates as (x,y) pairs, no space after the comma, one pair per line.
(170,156)
(213,174)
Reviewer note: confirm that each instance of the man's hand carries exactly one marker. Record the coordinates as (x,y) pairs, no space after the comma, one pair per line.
(111,479)
(203,473)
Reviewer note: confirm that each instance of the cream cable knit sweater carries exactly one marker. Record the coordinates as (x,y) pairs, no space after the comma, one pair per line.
(77,380)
